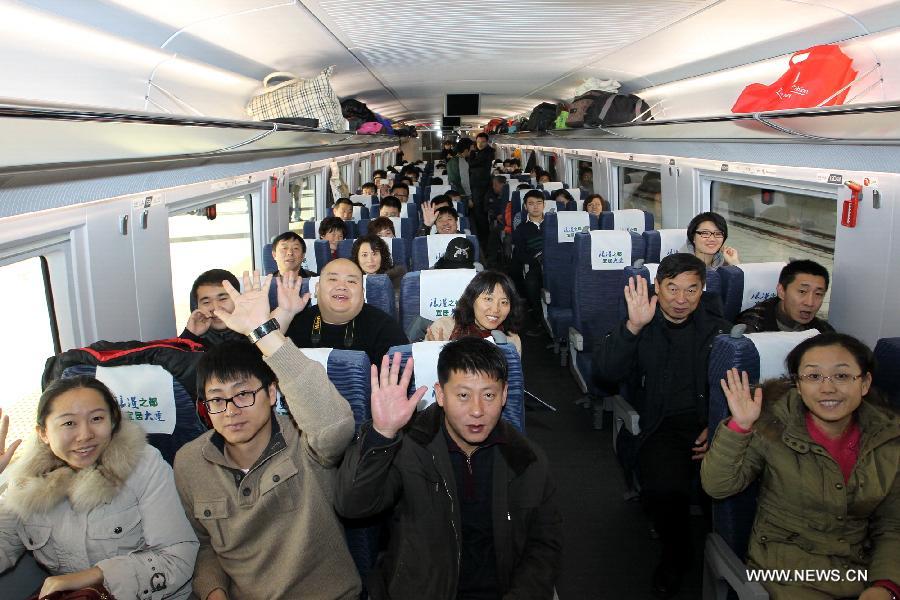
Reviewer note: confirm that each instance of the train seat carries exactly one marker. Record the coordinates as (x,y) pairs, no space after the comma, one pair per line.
(647,270)
(428,249)
(663,242)
(425,356)
(431,294)
(309,261)
(599,278)
(745,285)
(551,186)
(437,190)
(559,250)
(762,356)
(364,199)
(629,219)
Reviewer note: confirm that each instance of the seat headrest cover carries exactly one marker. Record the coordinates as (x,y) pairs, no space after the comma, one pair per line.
(425,359)
(144,393)
(773,348)
(630,219)
(309,259)
(652,268)
(439,291)
(610,250)
(363,199)
(570,222)
(670,241)
(320,355)
(437,245)
(760,280)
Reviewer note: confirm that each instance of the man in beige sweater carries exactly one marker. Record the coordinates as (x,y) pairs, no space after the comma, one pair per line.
(258,489)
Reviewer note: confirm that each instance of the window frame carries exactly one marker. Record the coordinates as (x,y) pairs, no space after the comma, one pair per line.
(615,177)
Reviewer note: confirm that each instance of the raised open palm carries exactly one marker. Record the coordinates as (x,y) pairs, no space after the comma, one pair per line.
(392,408)
(6,454)
(641,307)
(251,308)
(290,302)
(745,407)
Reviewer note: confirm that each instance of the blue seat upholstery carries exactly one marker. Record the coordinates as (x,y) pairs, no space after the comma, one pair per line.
(887,369)
(269,264)
(607,220)
(187,423)
(514,411)
(595,305)
(733,278)
(653,240)
(407,228)
(559,268)
(349,371)
(399,248)
(311,229)
(379,293)
(420,251)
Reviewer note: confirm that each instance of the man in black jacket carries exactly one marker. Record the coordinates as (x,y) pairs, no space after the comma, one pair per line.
(802,285)
(662,352)
(474,512)
(481,160)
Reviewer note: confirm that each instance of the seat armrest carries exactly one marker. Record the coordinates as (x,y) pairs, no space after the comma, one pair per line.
(576,340)
(723,570)
(624,413)
(545,295)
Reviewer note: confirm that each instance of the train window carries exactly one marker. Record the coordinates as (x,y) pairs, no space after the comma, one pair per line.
(778,225)
(641,188)
(303,201)
(32,303)
(345,172)
(216,236)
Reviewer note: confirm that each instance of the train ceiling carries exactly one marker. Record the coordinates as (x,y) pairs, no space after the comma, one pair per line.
(207,57)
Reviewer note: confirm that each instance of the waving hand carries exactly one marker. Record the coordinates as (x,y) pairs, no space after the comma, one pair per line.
(391,407)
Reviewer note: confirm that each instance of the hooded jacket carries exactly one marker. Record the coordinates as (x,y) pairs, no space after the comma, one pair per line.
(122,515)
(413,476)
(807,516)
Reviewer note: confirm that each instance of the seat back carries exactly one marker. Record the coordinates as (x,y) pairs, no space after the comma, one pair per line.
(311,229)
(426,250)
(269,264)
(431,294)
(399,248)
(887,370)
(597,285)
(747,284)
(146,407)
(629,219)
(762,356)
(349,371)
(550,186)
(310,262)
(513,412)
(559,250)
(663,242)
(363,199)
(437,190)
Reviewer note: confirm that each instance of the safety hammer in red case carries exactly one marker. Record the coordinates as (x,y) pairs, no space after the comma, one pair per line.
(851,206)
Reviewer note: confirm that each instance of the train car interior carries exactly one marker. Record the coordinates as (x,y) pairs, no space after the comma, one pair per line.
(146,143)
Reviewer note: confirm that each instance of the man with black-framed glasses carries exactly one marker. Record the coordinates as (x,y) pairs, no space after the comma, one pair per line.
(257,488)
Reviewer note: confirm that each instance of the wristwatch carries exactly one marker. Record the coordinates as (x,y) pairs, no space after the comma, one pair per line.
(263,330)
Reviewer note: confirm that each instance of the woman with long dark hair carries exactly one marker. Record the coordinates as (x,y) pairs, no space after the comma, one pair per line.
(489,303)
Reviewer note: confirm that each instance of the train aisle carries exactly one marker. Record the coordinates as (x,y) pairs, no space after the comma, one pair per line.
(608,552)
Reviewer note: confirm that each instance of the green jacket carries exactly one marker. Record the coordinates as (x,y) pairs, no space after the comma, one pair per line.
(807,517)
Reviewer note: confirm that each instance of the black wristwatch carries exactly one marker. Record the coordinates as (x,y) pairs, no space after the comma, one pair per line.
(263,330)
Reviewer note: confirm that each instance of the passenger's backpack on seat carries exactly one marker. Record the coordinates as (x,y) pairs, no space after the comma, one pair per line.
(616,109)
(177,356)
(542,117)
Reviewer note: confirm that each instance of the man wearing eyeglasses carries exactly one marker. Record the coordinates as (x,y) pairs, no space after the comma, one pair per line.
(662,352)
(257,488)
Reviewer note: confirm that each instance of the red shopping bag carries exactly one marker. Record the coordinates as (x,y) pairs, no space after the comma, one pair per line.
(813,76)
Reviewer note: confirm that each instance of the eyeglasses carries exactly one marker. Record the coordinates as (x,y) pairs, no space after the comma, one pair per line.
(710,234)
(836,379)
(244,399)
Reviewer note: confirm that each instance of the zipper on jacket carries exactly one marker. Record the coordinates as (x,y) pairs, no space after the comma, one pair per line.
(452,519)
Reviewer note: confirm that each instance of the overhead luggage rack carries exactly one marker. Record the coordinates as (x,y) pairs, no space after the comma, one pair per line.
(858,123)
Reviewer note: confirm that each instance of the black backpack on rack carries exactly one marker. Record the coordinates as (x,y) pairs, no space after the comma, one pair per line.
(356,113)
(542,117)
(606,108)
